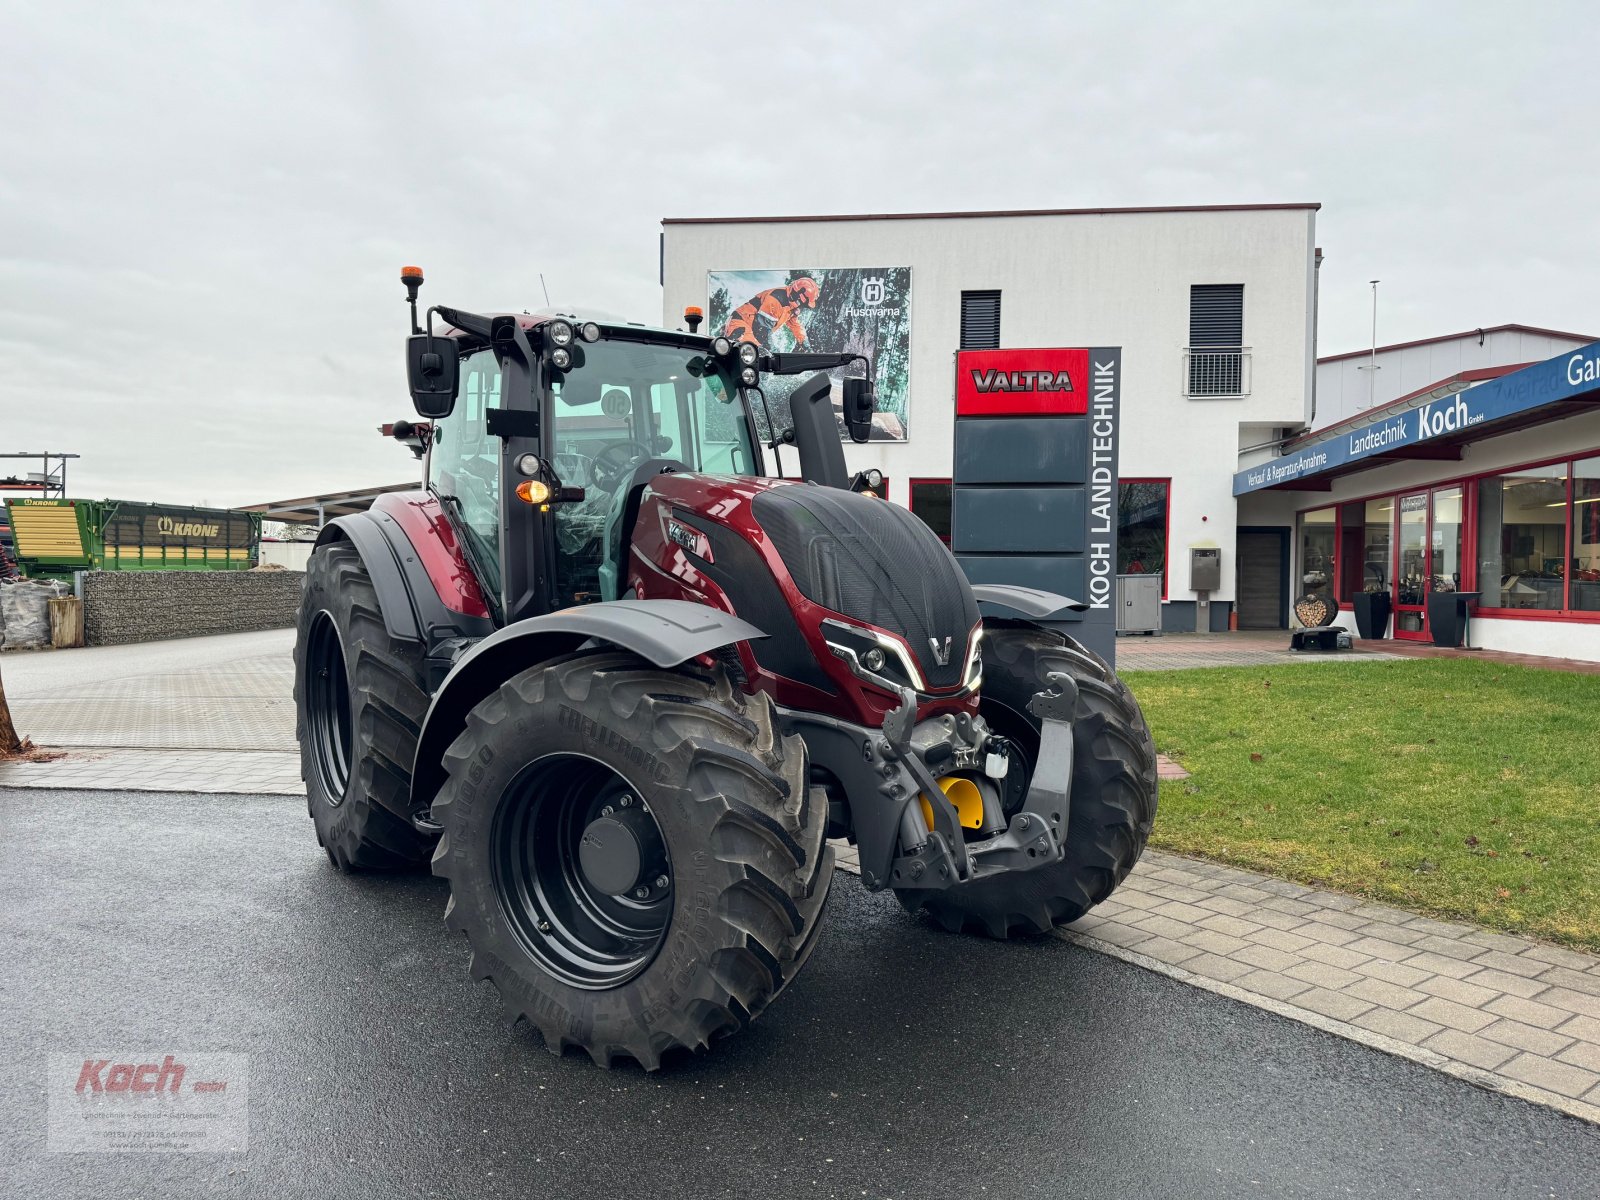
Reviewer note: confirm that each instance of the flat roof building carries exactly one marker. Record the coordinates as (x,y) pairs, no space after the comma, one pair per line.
(1213,306)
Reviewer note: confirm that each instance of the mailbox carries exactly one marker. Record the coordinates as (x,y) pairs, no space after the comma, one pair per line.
(1205,568)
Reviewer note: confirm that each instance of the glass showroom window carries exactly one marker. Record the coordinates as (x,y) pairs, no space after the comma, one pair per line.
(1585,573)
(1142,527)
(1446,565)
(1366,528)
(1317,542)
(1522,535)
(930,500)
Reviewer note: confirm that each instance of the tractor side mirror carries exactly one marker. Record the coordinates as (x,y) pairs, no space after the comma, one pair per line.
(859,404)
(433,365)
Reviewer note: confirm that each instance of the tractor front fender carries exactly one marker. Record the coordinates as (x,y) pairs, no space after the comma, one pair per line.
(663,632)
(1030,604)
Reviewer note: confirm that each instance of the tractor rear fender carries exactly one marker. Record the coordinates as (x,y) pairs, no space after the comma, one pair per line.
(664,632)
(410,603)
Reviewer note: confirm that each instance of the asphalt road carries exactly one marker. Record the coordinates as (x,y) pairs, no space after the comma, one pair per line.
(904,1062)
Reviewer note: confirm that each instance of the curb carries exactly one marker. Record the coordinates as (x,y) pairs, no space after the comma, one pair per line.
(1487,1080)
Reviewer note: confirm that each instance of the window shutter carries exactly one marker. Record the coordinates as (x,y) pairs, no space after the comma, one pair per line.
(980,320)
(1216,314)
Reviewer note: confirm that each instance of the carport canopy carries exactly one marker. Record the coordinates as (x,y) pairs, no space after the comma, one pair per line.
(319,510)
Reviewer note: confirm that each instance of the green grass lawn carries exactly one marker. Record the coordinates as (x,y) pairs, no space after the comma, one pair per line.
(1453,787)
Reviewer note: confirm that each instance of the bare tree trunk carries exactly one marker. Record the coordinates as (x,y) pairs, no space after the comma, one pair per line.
(10,743)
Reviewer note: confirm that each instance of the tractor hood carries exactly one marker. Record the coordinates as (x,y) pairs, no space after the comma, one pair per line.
(876,563)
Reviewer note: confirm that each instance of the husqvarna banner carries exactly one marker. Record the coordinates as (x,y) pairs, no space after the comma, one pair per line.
(824,310)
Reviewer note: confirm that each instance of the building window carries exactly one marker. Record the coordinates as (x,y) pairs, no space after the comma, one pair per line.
(1445,564)
(1522,536)
(1586,535)
(980,320)
(930,500)
(1142,528)
(1218,362)
(1319,538)
(1365,540)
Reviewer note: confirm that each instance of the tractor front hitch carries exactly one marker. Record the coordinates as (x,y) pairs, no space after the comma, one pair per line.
(886,777)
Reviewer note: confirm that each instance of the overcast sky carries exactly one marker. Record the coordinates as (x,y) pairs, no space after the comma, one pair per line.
(204,207)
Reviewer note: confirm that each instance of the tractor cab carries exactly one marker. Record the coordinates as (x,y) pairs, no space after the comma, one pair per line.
(632,401)
(545,428)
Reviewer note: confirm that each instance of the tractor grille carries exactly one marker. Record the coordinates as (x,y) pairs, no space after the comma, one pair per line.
(873,561)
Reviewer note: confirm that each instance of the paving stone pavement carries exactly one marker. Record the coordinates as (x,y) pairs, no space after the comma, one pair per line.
(211,714)
(1252,648)
(1503,1012)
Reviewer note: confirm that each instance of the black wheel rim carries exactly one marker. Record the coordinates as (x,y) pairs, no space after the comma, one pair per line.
(1024,738)
(328,707)
(576,932)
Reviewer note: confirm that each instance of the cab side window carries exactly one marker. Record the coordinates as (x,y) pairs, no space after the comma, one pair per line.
(464,462)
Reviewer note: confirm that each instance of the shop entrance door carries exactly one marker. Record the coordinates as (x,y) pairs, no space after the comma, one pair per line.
(1427,557)
(1411,569)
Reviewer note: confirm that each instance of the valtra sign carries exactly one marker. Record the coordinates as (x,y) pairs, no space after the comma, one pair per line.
(1010,383)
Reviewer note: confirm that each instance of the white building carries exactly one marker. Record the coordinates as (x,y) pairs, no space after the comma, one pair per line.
(1214,308)
(1478,483)
(1352,383)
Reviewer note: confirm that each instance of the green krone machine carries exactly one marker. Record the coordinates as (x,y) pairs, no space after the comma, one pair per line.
(54,538)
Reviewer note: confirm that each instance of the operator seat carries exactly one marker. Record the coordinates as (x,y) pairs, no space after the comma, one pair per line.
(620,521)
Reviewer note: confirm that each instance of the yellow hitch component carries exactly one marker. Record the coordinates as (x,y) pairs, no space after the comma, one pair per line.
(962,793)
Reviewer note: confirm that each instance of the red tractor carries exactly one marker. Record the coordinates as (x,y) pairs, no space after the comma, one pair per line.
(623,686)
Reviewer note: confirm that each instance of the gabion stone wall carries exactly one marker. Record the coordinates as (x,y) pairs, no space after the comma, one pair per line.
(147,606)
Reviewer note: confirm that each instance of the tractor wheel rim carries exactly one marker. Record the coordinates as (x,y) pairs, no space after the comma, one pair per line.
(328,707)
(575,931)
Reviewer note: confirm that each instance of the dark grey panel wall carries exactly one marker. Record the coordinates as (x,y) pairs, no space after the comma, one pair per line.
(1048,572)
(1023,520)
(1022,450)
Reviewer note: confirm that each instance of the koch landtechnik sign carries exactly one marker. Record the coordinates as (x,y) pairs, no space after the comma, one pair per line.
(1549,382)
(1034,496)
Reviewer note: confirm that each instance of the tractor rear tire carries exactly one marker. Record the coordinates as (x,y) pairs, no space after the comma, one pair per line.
(359,702)
(714,915)
(1113,787)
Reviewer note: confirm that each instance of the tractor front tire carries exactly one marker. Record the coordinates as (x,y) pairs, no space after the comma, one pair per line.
(634,854)
(1113,787)
(359,702)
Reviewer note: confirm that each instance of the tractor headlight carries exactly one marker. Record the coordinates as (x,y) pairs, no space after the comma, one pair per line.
(721,346)
(562,358)
(559,333)
(748,353)
(748,377)
(590,331)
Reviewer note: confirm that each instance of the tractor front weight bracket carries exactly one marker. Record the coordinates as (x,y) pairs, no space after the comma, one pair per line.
(884,773)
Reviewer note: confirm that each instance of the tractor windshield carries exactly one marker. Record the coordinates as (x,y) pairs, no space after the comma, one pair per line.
(624,403)
(647,400)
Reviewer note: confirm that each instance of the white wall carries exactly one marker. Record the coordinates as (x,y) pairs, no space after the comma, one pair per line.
(1119,279)
(292,555)
(1342,385)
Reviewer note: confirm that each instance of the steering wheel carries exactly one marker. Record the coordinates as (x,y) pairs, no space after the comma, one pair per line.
(607,476)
